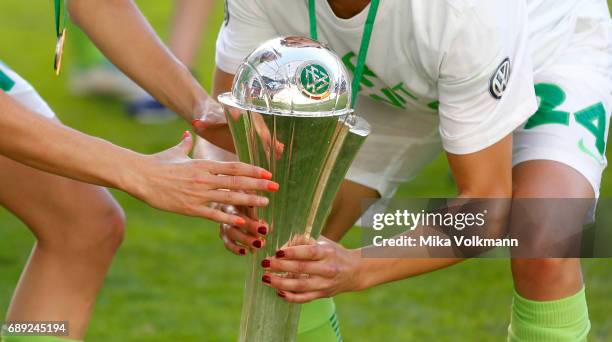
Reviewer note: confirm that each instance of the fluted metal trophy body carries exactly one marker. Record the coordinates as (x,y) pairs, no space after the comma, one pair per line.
(289,112)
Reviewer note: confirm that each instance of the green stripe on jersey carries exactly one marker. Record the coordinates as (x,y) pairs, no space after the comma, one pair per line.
(6,83)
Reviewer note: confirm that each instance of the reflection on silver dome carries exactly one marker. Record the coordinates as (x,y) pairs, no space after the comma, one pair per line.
(293,76)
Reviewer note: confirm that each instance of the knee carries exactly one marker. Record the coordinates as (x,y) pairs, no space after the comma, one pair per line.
(543,271)
(98,231)
(111,228)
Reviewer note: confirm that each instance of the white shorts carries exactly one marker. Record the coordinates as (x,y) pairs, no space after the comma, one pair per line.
(19,89)
(575,96)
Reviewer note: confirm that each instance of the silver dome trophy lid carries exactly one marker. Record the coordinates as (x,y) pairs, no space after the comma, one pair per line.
(293,76)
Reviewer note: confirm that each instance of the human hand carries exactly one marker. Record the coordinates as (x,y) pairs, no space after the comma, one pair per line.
(249,236)
(172,181)
(319,270)
(213,127)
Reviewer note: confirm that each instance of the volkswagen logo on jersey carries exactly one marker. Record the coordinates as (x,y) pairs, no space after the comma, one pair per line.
(314,81)
(500,79)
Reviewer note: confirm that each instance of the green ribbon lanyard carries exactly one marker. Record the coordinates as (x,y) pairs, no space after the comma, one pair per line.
(363,49)
(60,32)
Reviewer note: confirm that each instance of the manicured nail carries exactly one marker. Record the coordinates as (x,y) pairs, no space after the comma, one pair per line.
(280,254)
(257,244)
(266,279)
(242,251)
(265,174)
(240,221)
(186,135)
(263,201)
(262,230)
(281,294)
(195,122)
(265,263)
(272,186)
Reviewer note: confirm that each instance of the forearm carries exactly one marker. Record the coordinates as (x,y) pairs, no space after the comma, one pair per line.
(122,33)
(373,272)
(213,128)
(45,144)
(421,259)
(188,23)
(480,177)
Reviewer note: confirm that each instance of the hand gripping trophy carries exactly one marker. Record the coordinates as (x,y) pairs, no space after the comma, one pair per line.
(290,112)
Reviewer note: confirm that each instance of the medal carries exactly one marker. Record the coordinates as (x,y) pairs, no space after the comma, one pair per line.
(59,52)
(61,37)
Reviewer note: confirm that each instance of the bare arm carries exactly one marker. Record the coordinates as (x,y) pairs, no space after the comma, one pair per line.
(188,23)
(169,180)
(334,269)
(121,32)
(25,132)
(210,127)
(484,174)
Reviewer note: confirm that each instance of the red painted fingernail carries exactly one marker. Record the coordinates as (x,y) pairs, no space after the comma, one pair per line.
(266,279)
(273,186)
(262,230)
(198,123)
(265,174)
(281,294)
(257,244)
(186,135)
(265,263)
(280,254)
(240,221)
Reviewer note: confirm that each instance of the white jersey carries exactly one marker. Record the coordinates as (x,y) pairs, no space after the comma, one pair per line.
(466,60)
(554,23)
(21,91)
(451,57)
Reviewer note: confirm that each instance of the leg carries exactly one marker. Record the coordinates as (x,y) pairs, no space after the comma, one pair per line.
(319,322)
(532,277)
(78,228)
(549,302)
(559,153)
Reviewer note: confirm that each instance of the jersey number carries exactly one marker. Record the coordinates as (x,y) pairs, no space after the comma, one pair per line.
(592,118)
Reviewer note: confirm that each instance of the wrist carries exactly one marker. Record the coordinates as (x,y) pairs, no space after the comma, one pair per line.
(360,281)
(188,99)
(200,104)
(134,174)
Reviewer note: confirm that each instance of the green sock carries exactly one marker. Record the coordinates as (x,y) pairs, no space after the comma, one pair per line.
(318,322)
(34,339)
(560,320)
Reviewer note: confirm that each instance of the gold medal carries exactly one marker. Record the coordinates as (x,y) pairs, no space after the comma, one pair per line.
(59,52)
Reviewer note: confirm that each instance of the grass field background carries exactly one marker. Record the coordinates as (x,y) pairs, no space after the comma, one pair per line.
(173,281)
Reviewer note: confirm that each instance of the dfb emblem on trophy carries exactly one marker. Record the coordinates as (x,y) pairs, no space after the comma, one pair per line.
(314,81)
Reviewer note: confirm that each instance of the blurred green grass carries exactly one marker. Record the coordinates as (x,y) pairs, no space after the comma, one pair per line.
(172,279)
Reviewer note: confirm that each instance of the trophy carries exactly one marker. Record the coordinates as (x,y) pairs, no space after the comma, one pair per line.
(290,112)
